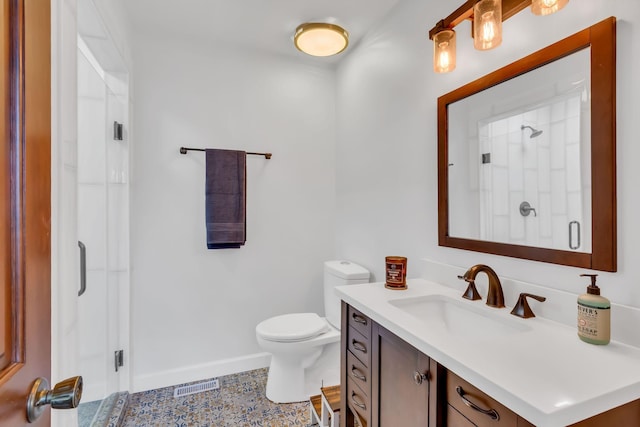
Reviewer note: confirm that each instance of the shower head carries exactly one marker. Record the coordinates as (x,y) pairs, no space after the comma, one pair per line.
(534,132)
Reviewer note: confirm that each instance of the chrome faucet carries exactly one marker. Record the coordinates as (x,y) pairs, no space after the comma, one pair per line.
(495,297)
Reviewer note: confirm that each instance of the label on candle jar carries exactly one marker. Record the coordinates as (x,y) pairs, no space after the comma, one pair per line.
(396,268)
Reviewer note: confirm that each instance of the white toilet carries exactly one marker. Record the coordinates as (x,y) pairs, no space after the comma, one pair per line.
(296,341)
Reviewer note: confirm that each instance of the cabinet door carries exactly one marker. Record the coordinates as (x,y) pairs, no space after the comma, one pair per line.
(402,388)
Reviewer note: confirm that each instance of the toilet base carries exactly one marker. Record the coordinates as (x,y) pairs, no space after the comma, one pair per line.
(286,380)
(290,382)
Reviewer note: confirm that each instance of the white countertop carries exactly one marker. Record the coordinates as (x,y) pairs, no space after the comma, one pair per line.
(545,373)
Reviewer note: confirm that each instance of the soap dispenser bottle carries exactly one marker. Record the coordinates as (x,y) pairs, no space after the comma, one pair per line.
(594,315)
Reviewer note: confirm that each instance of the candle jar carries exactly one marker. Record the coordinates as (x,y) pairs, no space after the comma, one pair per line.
(396,267)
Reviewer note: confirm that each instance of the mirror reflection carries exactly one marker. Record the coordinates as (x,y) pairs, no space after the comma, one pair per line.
(520,159)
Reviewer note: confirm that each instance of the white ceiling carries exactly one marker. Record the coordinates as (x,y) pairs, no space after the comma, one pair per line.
(266,25)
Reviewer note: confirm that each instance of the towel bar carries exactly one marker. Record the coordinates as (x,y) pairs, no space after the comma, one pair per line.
(183,150)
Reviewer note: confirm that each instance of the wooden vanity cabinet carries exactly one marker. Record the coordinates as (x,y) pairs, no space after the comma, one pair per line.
(386,382)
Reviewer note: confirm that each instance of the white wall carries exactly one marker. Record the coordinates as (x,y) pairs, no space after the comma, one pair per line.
(387,139)
(194,310)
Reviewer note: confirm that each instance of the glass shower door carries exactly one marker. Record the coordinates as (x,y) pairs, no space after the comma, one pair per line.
(102,226)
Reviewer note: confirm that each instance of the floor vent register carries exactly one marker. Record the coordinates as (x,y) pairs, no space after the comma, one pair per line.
(196,388)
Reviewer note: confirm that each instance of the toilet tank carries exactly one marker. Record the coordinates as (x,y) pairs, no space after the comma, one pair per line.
(339,273)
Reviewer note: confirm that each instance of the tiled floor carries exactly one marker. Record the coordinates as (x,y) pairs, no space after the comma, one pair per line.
(239,402)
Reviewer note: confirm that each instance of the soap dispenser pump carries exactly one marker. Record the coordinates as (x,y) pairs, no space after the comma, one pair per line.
(594,315)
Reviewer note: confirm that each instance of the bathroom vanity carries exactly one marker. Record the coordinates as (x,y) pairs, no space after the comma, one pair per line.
(426,357)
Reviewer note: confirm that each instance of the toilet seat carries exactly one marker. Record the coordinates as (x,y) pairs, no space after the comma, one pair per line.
(292,327)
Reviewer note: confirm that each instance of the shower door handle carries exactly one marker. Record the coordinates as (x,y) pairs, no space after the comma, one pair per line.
(83,268)
(571,227)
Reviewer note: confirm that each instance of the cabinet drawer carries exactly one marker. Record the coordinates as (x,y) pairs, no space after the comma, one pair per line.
(358,373)
(359,322)
(360,346)
(471,402)
(358,401)
(455,419)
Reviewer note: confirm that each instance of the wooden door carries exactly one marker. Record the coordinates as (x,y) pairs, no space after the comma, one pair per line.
(25,213)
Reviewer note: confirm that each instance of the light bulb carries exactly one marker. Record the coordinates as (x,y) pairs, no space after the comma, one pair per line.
(444,56)
(488,27)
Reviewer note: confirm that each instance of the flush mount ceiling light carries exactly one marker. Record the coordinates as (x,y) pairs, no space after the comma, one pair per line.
(486,18)
(321,39)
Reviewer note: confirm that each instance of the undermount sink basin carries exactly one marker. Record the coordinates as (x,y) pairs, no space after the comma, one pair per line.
(465,319)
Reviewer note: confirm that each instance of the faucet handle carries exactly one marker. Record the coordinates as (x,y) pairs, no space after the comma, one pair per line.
(471,292)
(522,308)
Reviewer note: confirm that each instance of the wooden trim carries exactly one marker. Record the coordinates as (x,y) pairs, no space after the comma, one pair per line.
(437,394)
(623,415)
(512,7)
(601,38)
(17,180)
(603,138)
(374,373)
(15,147)
(5,209)
(346,418)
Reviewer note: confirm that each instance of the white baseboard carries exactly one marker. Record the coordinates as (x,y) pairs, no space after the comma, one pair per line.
(200,372)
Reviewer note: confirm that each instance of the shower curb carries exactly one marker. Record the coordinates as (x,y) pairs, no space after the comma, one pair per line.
(112,410)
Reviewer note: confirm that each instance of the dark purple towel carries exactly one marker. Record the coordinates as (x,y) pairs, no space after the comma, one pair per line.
(225,198)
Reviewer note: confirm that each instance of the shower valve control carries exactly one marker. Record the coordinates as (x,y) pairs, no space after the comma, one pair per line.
(526,209)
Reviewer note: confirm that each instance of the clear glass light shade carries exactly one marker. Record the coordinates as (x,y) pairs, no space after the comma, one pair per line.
(320,39)
(487,24)
(444,51)
(546,7)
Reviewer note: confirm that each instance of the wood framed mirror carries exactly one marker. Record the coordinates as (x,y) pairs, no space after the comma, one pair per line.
(527,157)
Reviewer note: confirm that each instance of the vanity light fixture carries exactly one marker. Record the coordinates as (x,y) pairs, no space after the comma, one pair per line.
(321,39)
(486,18)
(547,7)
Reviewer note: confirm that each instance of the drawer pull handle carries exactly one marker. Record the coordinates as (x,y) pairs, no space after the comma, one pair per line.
(359,346)
(359,319)
(355,372)
(419,377)
(356,402)
(491,413)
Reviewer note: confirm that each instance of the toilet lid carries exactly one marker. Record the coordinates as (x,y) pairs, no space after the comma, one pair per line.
(292,327)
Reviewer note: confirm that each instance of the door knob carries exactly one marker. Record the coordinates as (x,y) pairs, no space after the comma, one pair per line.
(419,377)
(65,395)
